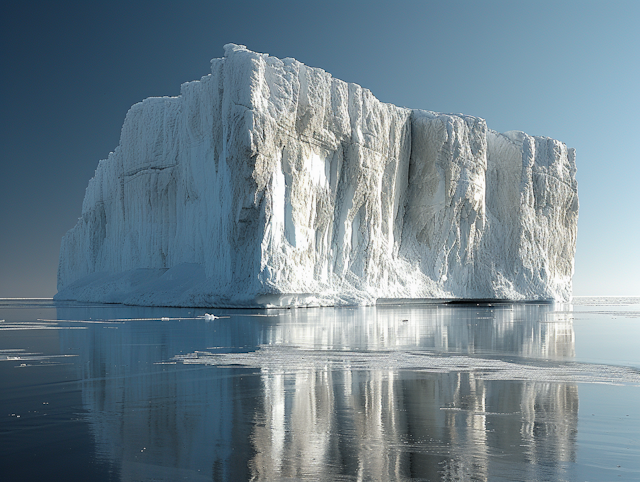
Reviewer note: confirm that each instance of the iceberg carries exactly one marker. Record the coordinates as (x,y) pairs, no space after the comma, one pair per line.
(271,183)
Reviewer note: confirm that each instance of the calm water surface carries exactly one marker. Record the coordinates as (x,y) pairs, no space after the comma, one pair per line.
(411,392)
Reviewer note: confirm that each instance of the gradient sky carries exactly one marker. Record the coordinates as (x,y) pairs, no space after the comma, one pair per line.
(568,70)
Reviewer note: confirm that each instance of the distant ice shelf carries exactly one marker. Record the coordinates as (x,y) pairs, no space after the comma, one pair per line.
(270,183)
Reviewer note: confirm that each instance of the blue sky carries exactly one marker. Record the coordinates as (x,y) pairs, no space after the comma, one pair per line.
(568,70)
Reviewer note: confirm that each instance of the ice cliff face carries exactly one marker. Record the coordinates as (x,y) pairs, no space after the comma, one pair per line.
(268,182)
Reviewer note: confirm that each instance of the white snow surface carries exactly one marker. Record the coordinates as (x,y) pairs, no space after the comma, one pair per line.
(270,183)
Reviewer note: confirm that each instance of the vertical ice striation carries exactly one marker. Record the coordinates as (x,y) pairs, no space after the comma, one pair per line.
(268,182)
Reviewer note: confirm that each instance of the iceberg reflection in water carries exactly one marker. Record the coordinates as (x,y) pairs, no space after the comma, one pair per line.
(431,392)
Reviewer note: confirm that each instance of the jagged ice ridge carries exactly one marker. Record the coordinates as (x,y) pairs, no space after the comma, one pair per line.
(270,183)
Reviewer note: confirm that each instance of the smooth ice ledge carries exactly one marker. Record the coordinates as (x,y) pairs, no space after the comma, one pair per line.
(270,183)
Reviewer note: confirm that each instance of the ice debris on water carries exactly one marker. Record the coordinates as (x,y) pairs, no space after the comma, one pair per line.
(271,183)
(291,359)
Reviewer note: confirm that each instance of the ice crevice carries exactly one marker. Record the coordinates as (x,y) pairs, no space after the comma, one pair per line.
(133,172)
(271,183)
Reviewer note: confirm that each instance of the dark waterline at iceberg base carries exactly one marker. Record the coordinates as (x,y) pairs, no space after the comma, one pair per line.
(423,392)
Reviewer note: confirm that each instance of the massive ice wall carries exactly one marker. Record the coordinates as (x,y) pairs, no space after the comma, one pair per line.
(268,182)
